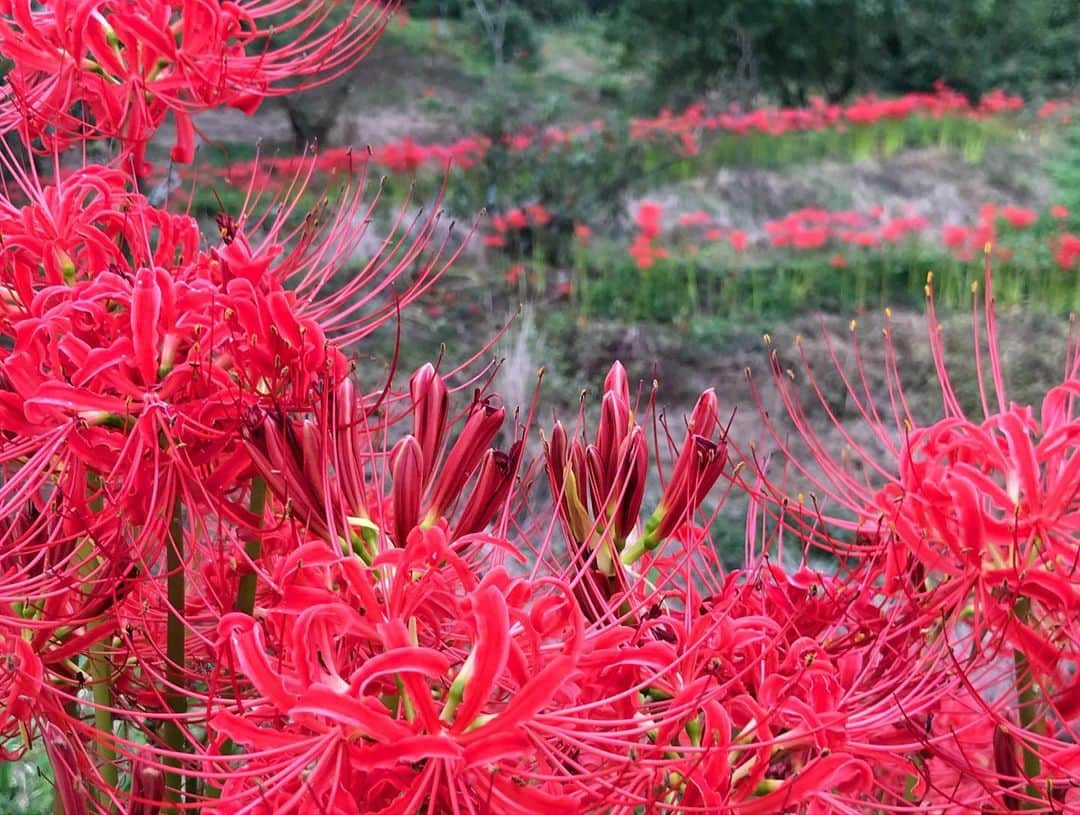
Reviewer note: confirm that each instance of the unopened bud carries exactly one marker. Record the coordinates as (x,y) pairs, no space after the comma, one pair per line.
(485,419)
(430,404)
(406,469)
(492,487)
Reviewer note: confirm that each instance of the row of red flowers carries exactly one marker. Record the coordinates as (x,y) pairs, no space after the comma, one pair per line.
(685,128)
(807,229)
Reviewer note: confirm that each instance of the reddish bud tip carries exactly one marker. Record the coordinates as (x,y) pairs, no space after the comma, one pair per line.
(405,465)
(431,402)
(485,419)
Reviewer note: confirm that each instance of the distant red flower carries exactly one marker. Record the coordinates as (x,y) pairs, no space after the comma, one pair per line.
(810,238)
(698,218)
(738,239)
(1068,250)
(538,215)
(1059,211)
(1019,217)
(648,219)
(514,273)
(954,236)
(838,262)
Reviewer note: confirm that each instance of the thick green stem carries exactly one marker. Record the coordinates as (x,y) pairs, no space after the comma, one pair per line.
(176,631)
(1027,710)
(100,671)
(245,599)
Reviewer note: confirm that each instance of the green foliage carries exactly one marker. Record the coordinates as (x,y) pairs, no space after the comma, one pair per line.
(797,48)
(520,42)
(719,284)
(1065,171)
(1022,45)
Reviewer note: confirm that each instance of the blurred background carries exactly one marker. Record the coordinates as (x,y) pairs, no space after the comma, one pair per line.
(665,182)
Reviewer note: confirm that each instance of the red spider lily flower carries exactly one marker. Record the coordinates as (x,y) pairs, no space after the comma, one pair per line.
(515,273)
(648,219)
(21,675)
(538,215)
(438,691)
(739,240)
(1068,250)
(516,219)
(324,470)
(1059,212)
(1019,217)
(128,65)
(973,520)
(583,233)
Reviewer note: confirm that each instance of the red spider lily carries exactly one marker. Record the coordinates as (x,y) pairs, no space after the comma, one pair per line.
(134,358)
(648,219)
(115,70)
(974,521)
(1019,217)
(428,480)
(413,683)
(1068,250)
(599,489)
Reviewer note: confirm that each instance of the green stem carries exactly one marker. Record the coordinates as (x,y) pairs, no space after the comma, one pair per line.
(245,599)
(1027,710)
(175,649)
(100,671)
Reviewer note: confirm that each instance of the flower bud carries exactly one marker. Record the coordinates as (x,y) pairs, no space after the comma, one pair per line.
(629,487)
(484,420)
(430,404)
(698,467)
(496,477)
(406,469)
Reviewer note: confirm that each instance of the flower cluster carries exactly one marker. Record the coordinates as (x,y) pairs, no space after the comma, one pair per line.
(234,580)
(116,69)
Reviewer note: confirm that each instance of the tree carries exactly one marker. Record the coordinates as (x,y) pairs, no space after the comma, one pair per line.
(793,49)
